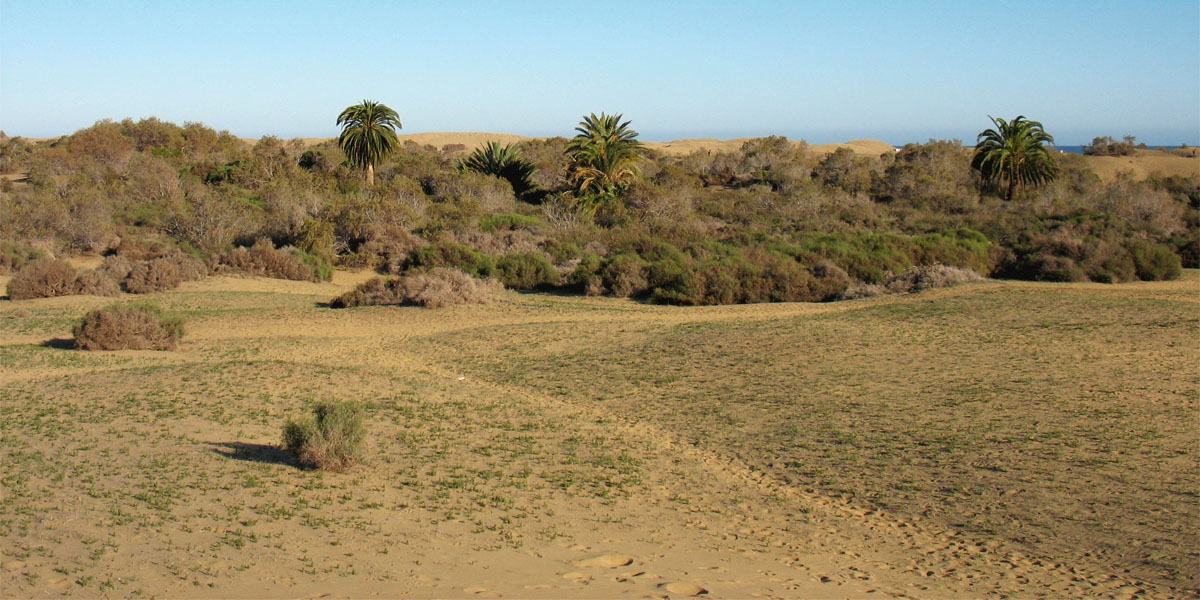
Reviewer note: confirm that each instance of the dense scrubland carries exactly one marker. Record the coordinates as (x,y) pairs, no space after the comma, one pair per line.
(952,444)
(770,222)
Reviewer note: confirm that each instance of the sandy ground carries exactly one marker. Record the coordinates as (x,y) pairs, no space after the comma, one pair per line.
(512,460)
(1144,164)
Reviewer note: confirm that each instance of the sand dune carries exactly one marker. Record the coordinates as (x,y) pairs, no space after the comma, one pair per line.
(1144,164)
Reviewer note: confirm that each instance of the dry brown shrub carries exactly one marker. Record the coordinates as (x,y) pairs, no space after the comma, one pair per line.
(96,283)
(262,259)
(43,278)
(387,247)
(142,249)
(439,287)
(863,290)
(157,275)
(924,277)
(128,327)
(142,267)
(501,242)
(117,266)
(444,287)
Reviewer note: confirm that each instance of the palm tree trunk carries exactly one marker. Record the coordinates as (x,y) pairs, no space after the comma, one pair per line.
(370,174)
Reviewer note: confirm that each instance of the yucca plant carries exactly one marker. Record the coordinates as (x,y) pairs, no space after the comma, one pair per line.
(504,162)
(368,135)
(604,156)
(1014,154)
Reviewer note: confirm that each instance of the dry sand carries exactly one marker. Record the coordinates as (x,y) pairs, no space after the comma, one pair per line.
(156,474)
(1144,164)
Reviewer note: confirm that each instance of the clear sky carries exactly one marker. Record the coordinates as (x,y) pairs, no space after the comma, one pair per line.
(823,71)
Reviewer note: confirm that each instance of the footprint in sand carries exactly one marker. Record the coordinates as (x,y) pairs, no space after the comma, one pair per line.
(606,561)
(482,592)
(683,589)
(577,577)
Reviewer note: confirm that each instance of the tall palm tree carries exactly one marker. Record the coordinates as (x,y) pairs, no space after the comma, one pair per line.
(368,135)
(1014,154)
(604,158)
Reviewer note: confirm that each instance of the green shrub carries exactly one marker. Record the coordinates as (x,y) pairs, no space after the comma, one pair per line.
(509,222)
(136,326)
(1154,262)
(673,283)
(526,271)
(560,251)
(318,263)
(452,255)
(587,276)
(331,440)
(625,276)
(14,256)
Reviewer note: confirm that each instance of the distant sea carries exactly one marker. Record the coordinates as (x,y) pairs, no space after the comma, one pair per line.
(1079,149)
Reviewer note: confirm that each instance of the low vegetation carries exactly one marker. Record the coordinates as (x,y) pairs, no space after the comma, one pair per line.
(331,440)
(132,326)
(436,288)
(595,214)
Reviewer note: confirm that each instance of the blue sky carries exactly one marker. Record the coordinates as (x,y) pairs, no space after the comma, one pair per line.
(820,71)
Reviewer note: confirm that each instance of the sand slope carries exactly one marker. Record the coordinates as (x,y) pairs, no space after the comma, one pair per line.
(1144,164)
(157,474)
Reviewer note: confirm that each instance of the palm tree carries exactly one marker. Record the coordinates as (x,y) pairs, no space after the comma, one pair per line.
(604,158)
(1014,154)
(504,162)
(368,135)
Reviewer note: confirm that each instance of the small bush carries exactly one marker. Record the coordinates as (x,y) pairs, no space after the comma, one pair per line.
(526,271)
(332,440)
(263,259)
(43,278)
(925,277)
(149,276)
(452,255)
(625,276)
(148,267)
(14,256)
(138,326)
(1154,262)
(509,222)
(439,287)
(386,249)
(96,283)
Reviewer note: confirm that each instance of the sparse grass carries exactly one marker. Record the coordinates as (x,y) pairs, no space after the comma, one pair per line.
(1059,418)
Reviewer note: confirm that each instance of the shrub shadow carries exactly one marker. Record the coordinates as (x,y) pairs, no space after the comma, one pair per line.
(259,453)
(60,343)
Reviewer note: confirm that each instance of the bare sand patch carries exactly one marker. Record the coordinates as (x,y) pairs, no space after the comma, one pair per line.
(549,446)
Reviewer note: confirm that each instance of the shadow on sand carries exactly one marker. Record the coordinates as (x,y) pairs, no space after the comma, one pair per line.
(259,453)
